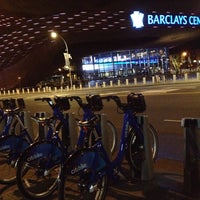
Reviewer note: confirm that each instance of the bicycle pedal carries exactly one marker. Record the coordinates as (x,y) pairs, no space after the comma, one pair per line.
(141,147)
(119,175)
(46,172)
(13,163)
(93,188)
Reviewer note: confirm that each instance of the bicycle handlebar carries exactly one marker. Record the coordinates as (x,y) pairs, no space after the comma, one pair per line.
(42,119)
(115,98)
(120,105)
(47,99)
(77,99)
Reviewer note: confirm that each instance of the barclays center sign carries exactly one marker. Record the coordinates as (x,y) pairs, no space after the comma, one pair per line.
(140,20)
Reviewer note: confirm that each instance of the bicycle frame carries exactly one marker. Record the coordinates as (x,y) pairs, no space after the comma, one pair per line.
(88,114)
(8,116)
(129,120)
(94,162)
(8,113)
(54,137)
(18,143)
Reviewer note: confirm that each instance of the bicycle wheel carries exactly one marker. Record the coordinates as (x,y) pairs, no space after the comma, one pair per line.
(63,132)
(83,177)
(111,133)
(135,151)
(11,147)
(112,139)
(15,127)
(38,169)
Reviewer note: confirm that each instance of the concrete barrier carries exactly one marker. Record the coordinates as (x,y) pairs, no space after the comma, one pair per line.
(118,82)
(147,172)
(186,77)
(135,81)
(144,80)
(174,77)
(198,76)
(127,82)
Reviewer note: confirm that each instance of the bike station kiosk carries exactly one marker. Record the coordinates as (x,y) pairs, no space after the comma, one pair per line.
(191,155)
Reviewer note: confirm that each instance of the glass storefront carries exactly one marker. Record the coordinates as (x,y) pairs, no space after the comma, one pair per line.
(126,63)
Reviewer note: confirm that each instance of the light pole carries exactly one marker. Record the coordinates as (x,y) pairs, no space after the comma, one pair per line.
(19,81)
(67,56)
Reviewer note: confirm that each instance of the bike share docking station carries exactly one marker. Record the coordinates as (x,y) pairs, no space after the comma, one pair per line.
(147,171)
(191,155)
(14,109)
(70,136)
(30,126)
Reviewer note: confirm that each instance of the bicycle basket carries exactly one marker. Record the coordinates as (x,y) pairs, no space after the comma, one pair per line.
(95,102)
(21,103)
(62,103)
(9,104)
(136,102)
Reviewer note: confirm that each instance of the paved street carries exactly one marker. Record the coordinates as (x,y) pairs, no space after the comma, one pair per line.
(165,108)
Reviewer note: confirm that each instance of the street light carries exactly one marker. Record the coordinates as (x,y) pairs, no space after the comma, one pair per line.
(184,53)
(67,56)
(19,81)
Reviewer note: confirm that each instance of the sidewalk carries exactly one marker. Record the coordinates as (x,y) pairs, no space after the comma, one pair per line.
(166,185)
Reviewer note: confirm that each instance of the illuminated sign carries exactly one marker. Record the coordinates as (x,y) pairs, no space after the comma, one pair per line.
(140,20)
(137,19)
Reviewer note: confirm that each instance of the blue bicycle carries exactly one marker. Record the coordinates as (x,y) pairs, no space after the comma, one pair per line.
(11,118)
(86,172)
(12,145)
(39,165)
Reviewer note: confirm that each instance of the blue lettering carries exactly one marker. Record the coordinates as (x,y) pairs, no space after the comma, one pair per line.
(150,19)
(191,20)
(176,20)
(173,20)
(167,19)
(184,20)
(194,20)
(162,19)
(156,19)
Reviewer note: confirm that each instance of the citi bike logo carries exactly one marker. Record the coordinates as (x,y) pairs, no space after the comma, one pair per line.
(79,168)
(35,156)
(137,19)
(5,147)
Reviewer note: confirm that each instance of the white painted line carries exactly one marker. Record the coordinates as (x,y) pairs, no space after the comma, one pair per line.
(159,91)
(172,120)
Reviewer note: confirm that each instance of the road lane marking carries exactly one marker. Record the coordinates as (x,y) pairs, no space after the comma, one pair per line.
(164,90)
(172,120)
